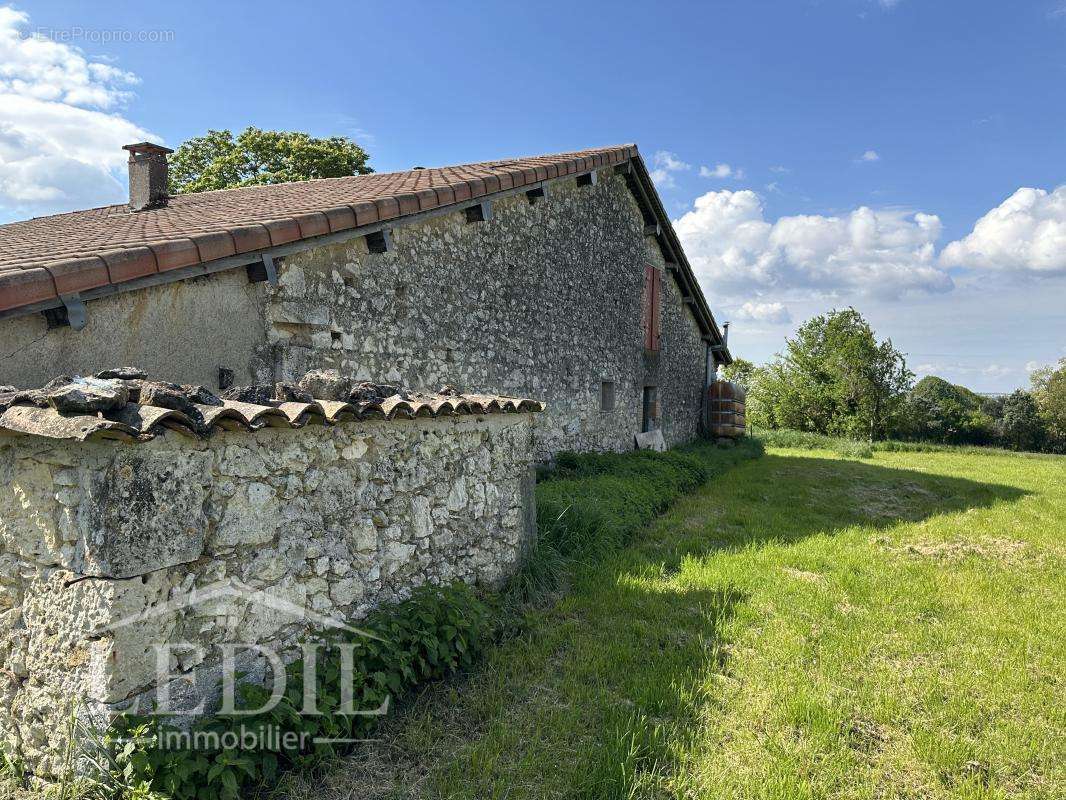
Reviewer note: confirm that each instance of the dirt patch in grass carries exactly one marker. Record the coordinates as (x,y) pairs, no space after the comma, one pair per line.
(864,735)
(880,501)
(377,772)
(990,548)
(802,575)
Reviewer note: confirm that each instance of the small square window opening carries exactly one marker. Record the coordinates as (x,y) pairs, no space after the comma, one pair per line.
(607,396)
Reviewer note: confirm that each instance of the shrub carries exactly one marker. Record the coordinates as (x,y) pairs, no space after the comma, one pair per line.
(834,377)
(938,411)
(1022,427)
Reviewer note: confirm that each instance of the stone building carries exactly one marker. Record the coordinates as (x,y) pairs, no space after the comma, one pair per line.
(278,452)
(557,277)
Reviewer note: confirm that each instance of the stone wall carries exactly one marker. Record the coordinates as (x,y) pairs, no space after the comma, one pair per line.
(333,520)
(680,371)
(543,300)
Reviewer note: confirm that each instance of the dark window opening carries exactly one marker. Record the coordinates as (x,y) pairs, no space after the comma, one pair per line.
(379,241)
(651,409)
(607,396)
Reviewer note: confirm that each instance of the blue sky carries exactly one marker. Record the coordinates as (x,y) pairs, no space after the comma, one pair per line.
(815,154)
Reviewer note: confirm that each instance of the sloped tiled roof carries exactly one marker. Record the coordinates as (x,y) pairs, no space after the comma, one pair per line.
(143,409)
(45,257)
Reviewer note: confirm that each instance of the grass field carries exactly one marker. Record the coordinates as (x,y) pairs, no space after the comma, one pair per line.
(805,626)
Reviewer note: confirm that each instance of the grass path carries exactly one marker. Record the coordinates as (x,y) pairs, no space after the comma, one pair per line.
(805,626)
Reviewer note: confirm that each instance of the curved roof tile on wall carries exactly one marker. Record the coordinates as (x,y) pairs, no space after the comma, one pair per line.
(30,413)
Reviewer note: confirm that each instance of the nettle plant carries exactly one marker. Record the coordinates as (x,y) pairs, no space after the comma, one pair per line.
(435,632)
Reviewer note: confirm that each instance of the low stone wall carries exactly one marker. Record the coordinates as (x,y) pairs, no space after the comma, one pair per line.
(101,541)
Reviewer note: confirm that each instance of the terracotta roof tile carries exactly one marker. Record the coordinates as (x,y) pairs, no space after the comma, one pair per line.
(85,249)
(24,287)
(78,274)
(126,265)
(28,412)
(341,218)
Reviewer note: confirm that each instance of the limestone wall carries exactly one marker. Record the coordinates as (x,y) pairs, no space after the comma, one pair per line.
(543,300)
(334,520)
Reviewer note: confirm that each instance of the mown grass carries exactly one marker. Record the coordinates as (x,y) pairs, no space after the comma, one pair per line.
(805,626)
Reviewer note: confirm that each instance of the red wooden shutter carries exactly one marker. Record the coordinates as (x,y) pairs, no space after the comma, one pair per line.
(652,313)
(646,320)
(656,307)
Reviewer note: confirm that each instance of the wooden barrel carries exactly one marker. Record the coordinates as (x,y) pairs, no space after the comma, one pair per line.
(725,410)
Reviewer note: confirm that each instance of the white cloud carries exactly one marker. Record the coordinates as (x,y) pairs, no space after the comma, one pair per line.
(998,370)
(869,155)
(960,370)
(779,169)
(1024,233)
(885,253)
(722,171)
(666,164)
(773,186)
(34,66)
(60,141)
(719,171)
(764,312)
(669,161)
(663,179)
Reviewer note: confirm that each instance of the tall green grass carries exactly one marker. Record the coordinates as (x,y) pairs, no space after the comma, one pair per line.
(849,448)
(804,440)
(592,504)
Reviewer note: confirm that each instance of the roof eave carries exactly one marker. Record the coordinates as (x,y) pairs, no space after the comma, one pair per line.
(689,284)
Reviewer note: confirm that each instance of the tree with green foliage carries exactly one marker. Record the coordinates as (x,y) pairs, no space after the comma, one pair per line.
(938,411)
(220,161)
(992,406)
(741,372)
(1022,427)
(833,378)
(1049,391)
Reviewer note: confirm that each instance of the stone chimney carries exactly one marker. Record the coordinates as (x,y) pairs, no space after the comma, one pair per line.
(148,175)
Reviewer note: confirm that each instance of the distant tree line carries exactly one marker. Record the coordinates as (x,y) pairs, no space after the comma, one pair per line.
(834,377)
